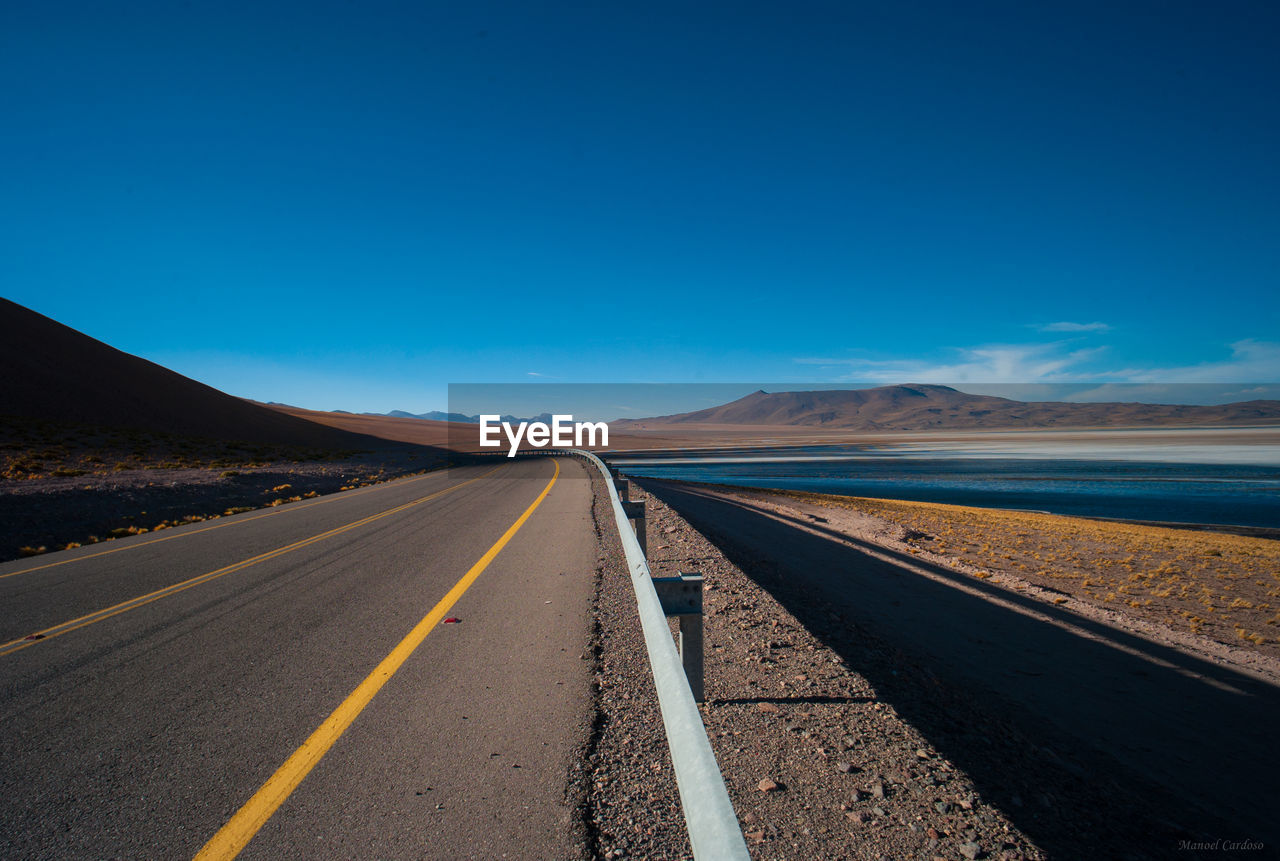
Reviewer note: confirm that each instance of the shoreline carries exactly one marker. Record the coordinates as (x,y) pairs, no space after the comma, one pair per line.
(703,437)
(1262,532)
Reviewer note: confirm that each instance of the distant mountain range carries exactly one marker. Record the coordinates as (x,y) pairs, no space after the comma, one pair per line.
(438,416)
(931,407)
(52,372)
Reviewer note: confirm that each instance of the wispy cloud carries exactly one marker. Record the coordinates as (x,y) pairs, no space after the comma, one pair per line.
(1250,361)
(534,374)
(1073,327)
(998,363)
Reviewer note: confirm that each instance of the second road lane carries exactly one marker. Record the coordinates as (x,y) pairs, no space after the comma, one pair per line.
(170,681)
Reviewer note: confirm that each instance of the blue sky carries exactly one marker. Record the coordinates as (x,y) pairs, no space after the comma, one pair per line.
(352,205)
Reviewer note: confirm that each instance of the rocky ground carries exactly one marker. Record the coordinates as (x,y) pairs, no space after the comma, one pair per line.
(817,764)
(808,729)
(629,799)
(65,485)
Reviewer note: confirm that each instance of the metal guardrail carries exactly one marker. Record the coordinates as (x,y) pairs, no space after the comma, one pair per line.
(713,827)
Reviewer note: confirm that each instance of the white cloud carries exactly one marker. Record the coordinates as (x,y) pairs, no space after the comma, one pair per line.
(1074,327)
(999,363)
(1250,361)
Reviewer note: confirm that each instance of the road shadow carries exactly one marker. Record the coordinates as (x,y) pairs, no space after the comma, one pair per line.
(1095,742)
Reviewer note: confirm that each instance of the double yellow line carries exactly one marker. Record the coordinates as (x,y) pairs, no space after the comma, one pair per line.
(247,821)
(142,600)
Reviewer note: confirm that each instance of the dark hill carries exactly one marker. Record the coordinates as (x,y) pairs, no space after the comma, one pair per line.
(52,372)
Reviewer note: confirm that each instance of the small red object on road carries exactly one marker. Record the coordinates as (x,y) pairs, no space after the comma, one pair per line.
(451,620)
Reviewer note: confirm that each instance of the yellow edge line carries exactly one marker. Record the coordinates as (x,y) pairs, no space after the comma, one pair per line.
(133,603)
(185,533)
(242,827)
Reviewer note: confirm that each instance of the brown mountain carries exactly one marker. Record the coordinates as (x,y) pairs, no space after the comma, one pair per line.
(925,407)
(52,372)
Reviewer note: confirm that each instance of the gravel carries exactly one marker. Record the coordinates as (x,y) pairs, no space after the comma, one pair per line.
(817,765)
(630,807)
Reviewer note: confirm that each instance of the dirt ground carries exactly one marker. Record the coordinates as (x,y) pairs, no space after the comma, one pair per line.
(1225,587)
(65,485)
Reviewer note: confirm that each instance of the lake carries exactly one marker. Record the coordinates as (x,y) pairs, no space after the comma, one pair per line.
(1210,476)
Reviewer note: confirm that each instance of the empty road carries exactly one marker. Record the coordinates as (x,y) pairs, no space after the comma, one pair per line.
(283,683)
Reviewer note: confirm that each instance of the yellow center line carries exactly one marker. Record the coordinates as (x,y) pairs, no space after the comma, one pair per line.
(142,600)
(188,532)
(241,828)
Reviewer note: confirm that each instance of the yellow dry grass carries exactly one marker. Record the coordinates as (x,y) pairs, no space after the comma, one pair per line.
(1221,585)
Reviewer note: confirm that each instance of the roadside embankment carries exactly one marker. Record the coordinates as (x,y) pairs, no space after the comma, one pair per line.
(1223,587)
(861,707)
(64,485)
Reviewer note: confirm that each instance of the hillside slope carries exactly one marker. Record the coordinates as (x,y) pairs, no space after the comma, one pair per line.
(52,372)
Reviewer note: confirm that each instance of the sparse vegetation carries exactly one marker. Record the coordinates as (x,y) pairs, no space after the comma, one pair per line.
(179,480)
(1221,585)
(31,449)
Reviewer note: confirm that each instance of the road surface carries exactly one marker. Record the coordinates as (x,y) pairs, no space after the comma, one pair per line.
(282,683)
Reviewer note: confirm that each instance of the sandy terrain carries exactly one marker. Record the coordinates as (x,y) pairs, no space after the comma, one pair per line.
(413,431)
(693,437)
(461,436)
(1221,586)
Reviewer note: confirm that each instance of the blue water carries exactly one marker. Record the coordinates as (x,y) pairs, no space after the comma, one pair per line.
(1237,485)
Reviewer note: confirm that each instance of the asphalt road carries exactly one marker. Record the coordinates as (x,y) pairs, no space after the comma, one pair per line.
(199,660)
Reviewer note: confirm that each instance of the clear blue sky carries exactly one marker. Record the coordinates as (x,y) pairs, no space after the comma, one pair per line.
(351,205)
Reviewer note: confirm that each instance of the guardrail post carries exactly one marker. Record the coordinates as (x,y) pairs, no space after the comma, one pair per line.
(691,652)
(635,513)
(681,596)
(623,487)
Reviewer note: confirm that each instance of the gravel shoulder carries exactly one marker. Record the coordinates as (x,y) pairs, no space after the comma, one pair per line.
(818,765)
(629,801)
(840,737)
